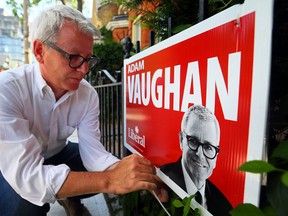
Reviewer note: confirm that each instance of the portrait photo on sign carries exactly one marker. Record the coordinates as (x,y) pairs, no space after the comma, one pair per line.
(199,141)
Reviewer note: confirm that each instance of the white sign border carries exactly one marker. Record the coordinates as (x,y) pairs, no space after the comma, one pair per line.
(260,81)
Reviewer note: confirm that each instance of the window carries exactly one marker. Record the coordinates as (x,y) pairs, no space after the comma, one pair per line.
(136,30)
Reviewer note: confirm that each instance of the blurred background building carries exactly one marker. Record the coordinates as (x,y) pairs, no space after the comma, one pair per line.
(11,41)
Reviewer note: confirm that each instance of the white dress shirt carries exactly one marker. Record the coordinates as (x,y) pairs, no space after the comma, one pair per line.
(34,126)
(191,187)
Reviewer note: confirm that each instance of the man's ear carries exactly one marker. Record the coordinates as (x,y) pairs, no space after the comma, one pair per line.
(181,139)
(38,50)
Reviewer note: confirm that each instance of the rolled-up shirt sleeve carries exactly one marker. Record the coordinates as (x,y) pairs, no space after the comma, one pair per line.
(94,155)
(21,162)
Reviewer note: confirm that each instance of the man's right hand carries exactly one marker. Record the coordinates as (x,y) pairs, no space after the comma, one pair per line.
(134,173)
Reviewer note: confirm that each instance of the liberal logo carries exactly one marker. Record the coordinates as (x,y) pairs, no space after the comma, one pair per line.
(134,135)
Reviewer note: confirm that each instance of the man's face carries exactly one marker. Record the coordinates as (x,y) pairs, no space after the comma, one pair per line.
(55,66)
(197,165)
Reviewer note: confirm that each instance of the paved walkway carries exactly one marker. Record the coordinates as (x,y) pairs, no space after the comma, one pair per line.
(96,205)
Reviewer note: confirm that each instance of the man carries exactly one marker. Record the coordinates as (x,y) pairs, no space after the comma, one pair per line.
(40,107)
(199,142)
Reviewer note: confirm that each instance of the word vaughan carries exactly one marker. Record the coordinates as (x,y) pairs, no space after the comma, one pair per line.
(146,88)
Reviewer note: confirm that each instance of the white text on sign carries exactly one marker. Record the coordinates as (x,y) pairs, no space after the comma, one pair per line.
(144,89)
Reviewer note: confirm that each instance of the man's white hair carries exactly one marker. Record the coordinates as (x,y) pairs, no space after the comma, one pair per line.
(202,113)
(46,26)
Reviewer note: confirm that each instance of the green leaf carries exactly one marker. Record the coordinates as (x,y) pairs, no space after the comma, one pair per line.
(281,151)
(284,178)
(257,166)
(184,200)
(187,205)
(178,203)
(197,212)
(247,210)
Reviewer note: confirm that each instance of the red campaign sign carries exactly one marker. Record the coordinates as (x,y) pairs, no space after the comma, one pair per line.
(213,68)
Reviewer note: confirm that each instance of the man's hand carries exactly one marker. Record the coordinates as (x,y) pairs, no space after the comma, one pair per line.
(134,173)
(161,192)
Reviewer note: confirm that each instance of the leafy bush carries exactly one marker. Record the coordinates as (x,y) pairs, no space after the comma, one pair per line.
(111,56)
(277,187)
(144,203)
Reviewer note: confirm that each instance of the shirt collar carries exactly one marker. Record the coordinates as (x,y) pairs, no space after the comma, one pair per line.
(39,80)
(190,186)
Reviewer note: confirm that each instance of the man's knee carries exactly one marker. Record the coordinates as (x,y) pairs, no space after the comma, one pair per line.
(11,203)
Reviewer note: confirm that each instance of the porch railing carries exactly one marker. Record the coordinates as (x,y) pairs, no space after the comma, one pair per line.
(110,99)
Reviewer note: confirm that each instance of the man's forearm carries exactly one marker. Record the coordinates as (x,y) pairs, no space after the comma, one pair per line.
(132,173)
(80,183)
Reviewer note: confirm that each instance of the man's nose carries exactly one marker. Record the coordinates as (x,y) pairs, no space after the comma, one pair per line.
(200,152)
(83,68)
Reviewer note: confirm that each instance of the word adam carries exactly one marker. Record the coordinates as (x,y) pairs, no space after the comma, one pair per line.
(144,89)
